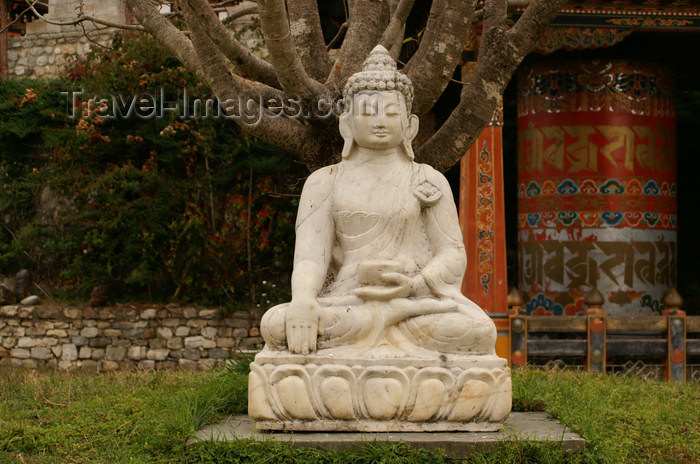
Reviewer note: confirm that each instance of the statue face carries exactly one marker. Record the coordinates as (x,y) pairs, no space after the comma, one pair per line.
(377,120)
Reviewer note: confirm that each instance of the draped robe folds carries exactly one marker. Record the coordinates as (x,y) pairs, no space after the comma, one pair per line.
(409,219)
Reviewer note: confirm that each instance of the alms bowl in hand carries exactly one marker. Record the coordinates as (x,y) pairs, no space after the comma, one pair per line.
(370,272)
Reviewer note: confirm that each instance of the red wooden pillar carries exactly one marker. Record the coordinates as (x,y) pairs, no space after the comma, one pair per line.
(482,218)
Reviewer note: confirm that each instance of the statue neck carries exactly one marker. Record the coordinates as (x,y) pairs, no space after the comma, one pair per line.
(378,157)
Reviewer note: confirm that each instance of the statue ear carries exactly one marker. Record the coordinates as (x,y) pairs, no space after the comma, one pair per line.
(412,130)
(344,124)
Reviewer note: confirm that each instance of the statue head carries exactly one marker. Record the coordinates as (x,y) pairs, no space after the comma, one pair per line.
(378,107)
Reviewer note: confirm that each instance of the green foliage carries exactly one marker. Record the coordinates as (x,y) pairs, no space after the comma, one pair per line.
(159,208)
(246,451)
(148,417)
(241,364)
(623,419)
(137,417)
(28,111)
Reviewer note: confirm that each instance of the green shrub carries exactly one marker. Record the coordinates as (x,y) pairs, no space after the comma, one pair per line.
(160,208)
(29,111)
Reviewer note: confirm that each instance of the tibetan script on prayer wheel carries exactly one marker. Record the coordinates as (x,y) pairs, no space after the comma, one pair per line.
(597,194)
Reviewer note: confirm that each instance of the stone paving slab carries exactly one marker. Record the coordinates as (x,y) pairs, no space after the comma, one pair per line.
(528,426)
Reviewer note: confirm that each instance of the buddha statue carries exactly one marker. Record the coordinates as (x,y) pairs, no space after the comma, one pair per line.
(378,264)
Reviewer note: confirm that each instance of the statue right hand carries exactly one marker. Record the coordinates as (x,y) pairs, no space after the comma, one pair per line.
(302,320)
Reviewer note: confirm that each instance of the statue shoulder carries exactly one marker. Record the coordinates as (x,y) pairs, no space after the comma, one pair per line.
(321,181)
(433,175)
(316,195)
(429,184)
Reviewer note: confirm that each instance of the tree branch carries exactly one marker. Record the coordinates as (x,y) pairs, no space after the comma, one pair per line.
(367,19)
(500,54)
(451,142)
(166,34)
(244,62)
(432,66)
(241,96)
(495,15)
(240,11)
(19,16)
(283,54)
(213,63)
(305,24)
(534,21)
(225,3)
(397,24)
(512,4)
(338,36)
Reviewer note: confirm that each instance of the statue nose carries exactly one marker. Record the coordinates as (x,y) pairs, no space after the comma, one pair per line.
(379,122)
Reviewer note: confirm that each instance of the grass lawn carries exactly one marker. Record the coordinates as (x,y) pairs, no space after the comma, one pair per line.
(49,417)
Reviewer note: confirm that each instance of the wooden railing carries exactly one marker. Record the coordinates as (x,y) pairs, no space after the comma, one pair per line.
(596,337)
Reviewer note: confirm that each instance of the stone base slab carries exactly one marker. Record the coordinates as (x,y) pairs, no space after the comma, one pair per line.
(322,393)
(378,426)
(519,426)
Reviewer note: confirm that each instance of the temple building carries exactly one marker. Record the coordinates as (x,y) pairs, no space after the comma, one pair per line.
(602,169)
(30,47)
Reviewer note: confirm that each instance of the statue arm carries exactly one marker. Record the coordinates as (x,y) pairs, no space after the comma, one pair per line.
(312,254)
(314,234)
(444,273)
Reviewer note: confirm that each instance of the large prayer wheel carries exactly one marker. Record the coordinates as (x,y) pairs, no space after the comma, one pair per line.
(596,185)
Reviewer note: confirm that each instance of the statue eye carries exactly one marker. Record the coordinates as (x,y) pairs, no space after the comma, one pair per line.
(368,107)
(392,109)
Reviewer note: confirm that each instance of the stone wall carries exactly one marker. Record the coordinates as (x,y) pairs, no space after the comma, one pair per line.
(112,338)
(47,48)
(46,55)
(65,11)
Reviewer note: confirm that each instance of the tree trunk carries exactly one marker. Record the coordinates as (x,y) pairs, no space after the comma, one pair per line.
(299,68)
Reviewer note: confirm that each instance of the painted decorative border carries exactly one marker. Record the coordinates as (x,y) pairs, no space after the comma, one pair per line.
(579,219)
(579,38)
(632,187)
(545,304)
(638,203)
(649,22)
(486,217)
(679,8)
(596,85)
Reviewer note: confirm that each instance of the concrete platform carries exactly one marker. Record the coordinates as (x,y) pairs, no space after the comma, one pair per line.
(528,426)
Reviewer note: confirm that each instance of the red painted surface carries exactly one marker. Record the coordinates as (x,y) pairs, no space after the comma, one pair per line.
(597,325)
(518,358)
(597,193)
(482,218)
(677,356)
